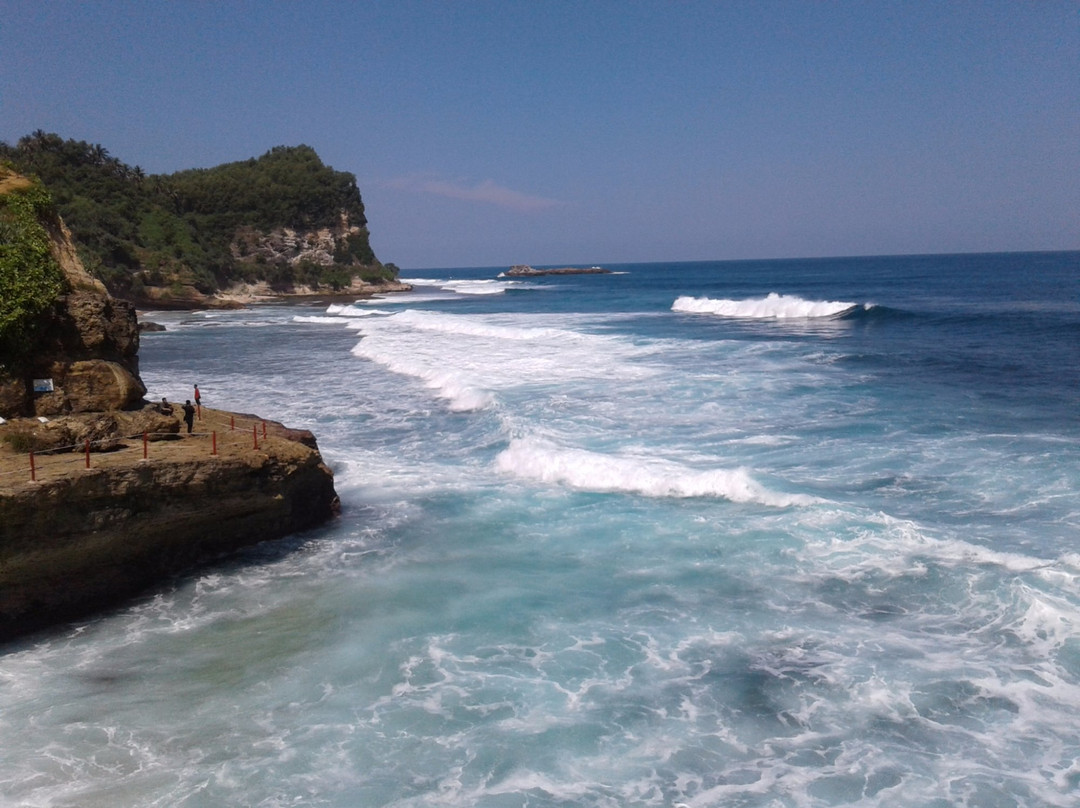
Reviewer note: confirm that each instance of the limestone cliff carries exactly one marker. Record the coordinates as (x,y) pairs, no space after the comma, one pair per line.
(84,356)
(299,263)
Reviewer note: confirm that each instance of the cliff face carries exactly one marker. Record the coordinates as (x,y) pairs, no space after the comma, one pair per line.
(88,540)
(86,346)
(299,261)
(87,535)
(286,245)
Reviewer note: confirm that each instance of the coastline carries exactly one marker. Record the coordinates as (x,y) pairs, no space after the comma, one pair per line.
(243,295)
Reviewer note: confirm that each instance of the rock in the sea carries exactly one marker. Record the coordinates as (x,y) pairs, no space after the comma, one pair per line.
(526,271)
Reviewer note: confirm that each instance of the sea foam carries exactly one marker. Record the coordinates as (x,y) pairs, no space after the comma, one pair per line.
(772,307)
(482,286)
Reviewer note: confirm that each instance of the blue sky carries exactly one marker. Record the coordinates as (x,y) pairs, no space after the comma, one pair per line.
(491,133)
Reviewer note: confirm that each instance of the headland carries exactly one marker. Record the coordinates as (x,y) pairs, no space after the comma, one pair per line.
(103,495)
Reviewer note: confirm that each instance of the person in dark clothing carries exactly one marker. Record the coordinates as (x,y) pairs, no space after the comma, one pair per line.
(189,415)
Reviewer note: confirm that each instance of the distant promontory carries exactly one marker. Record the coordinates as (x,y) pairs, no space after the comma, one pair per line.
(280,224)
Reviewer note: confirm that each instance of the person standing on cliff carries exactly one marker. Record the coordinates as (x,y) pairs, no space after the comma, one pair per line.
(189,415)
(198,397)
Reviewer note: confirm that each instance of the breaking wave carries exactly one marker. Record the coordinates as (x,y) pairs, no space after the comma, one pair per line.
(774,307)
(466,287)
(538,460)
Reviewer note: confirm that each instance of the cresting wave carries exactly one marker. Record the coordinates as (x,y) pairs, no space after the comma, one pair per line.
(774,306)
(534,459)
(352,310)
(467,287)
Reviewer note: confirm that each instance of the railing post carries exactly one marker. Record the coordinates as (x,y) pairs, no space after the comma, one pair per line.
(213,450)
(33,471)
(255,435)
(87,449)
(145,448)
(232,423)
(264,430)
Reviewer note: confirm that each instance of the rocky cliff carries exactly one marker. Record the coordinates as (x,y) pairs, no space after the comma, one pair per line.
(297,262)
(84,356)
(77,534)
(284,219)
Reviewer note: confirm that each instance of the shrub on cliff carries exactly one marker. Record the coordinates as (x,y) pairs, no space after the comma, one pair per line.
(30,278)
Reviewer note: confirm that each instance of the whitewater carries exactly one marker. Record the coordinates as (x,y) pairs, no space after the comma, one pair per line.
(763,533)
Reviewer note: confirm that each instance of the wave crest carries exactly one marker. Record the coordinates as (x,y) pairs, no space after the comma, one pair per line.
(774,306)
(538,460)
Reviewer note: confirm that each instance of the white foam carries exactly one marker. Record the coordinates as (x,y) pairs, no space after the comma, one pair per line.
(478,327)
(774,306)
(482,286)
(467,359)
(533,459)
(352,310)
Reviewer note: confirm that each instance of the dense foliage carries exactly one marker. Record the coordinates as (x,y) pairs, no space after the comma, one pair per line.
(135,230)
(30,278)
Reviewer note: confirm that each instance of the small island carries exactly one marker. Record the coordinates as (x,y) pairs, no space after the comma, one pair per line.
(526,271)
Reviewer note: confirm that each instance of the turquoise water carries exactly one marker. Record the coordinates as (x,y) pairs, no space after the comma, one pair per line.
(652,538)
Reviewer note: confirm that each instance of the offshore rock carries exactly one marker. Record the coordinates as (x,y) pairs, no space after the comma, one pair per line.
(526,271)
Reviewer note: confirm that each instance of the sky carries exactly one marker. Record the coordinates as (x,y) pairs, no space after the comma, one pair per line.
(592,132)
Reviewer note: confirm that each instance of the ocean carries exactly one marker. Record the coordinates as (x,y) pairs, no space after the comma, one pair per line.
(751,533)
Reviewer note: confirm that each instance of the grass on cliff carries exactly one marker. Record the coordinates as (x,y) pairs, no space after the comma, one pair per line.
(30,278)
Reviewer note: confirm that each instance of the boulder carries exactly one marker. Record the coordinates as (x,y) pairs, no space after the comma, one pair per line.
(93,385)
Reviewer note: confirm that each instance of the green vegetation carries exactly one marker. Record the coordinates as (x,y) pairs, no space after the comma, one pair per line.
(203,227)
(30,278)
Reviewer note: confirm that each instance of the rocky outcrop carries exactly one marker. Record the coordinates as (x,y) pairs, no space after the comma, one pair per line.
(86,348)
(87,540)
(285,245)
(526,271)
(82,536)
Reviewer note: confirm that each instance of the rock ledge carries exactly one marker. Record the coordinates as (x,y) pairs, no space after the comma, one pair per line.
(83,539)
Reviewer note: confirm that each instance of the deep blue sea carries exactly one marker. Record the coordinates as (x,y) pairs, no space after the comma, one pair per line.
(759,533)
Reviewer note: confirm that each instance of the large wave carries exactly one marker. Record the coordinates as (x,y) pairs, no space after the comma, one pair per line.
(774,306)
(534,459)
(482,286)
